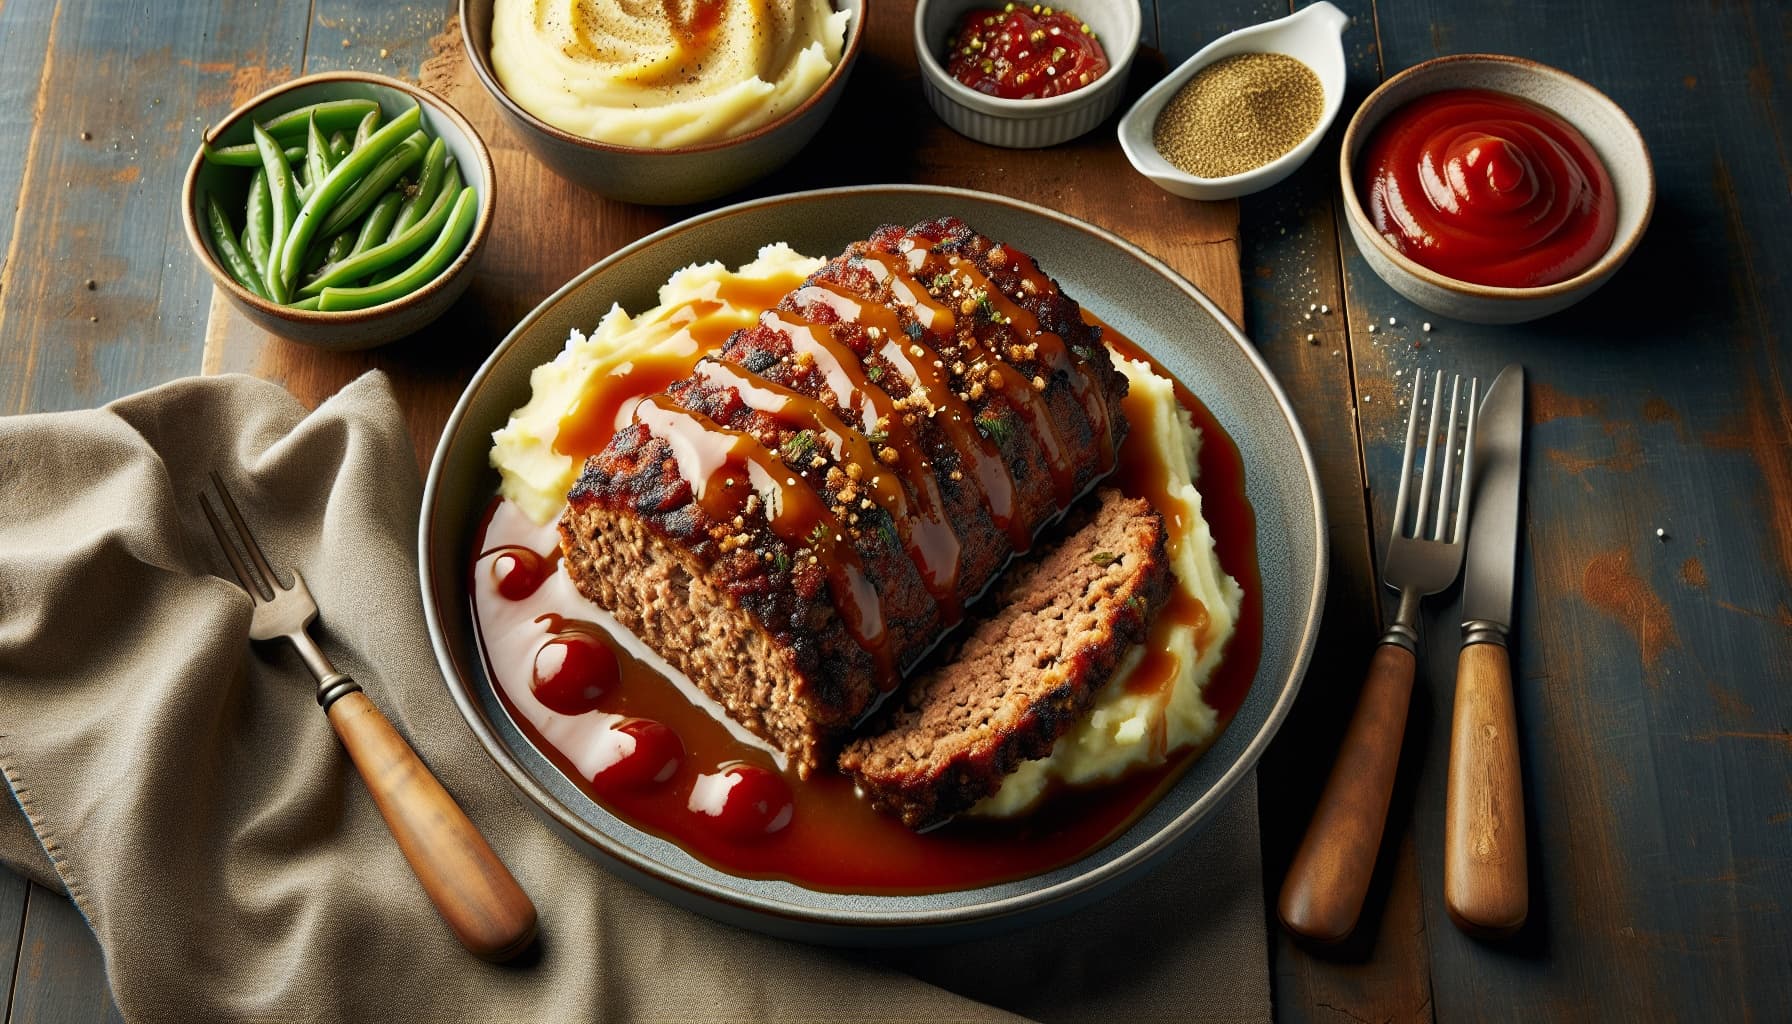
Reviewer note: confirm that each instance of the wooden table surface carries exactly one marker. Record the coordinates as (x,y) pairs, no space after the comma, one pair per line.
(1652,674)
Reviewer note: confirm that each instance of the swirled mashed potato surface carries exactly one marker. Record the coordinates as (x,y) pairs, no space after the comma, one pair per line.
(1125,729)
(659,74)
(534,475)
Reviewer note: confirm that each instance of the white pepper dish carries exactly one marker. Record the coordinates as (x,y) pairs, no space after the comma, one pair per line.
(1314,36)
(1035,123)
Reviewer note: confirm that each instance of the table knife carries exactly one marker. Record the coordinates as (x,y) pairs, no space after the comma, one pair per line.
(1485,886)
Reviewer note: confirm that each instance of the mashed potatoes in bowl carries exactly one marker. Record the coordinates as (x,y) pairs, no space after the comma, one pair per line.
(663,74)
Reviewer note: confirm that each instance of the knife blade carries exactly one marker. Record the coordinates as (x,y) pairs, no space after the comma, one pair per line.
(1492,557)
(1486,888)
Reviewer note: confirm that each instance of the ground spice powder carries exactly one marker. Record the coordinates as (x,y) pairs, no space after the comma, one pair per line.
(1238,114)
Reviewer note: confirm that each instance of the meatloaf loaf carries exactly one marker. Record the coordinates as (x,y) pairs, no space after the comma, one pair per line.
(1059,628)
(800,520)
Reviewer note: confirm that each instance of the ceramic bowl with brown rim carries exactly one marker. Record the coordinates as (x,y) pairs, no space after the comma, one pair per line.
(353,329)
(1611,133)
(663,177)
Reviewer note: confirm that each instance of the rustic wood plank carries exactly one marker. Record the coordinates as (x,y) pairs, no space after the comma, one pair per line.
(1657,754)
(59,966)
(123,94)
(1289,238)
(104,104)
(13,889)
(882,121)
(25,30)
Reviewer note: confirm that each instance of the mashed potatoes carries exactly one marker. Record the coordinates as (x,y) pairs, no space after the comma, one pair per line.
(536,476)
(660,75)
(1127,729)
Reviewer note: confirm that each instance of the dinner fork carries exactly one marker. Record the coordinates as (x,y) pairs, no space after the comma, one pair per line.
(1329,877)
(469,885)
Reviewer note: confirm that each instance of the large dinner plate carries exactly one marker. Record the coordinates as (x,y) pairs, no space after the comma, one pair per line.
(1131,290)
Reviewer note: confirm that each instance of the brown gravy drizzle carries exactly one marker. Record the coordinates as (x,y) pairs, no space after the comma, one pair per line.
(926,375)
(925,534)
(725,467)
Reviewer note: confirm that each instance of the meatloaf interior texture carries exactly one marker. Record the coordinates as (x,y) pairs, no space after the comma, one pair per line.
(1024,675)
(798,522)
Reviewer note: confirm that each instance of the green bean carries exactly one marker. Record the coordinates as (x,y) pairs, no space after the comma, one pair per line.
(428,184)
(366,128)
(331,115)
(387,253)
(284,203)
(450,188)
(317,256)
(375,226)
(245,155)
(340,247)
(447,248)
(234,258)
(338,148)
(317,156)
(329,198)
(364,193)
(310,304)
(260,218)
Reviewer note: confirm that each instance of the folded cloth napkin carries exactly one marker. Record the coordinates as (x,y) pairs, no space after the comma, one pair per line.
(185,791)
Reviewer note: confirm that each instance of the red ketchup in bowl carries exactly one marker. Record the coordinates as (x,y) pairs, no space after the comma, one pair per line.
(1488,188)
(1022,52)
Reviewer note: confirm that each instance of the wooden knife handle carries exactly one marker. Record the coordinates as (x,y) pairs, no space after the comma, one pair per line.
(1323,893)
(469,885)
(1485,886)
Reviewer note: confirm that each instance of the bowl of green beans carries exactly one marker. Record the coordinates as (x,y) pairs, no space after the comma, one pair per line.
(342,210)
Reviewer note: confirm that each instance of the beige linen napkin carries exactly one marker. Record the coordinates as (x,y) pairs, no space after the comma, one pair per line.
(195,804)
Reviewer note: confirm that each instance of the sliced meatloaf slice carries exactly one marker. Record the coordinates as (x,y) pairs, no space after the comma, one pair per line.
(1062,624)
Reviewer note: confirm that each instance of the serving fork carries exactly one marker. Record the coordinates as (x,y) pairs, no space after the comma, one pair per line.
(1323,894)
(470,887)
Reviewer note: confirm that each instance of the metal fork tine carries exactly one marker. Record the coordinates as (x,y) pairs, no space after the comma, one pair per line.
(1412,426)
(1437,394)
(236,561)
(242,529)
(1446,503)
(1468,459)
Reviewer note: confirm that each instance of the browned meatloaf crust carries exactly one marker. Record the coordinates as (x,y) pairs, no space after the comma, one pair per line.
(1021,416)
(1025,675)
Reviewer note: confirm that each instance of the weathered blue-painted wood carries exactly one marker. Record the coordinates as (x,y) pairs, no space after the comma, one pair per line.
(61,977)
(1652,689)
(119,94)
(12,926)
(101,107)
(1295,311)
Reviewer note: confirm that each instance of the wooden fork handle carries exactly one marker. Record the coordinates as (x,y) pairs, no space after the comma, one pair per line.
(1485,885)
(469,885)
(1329,878)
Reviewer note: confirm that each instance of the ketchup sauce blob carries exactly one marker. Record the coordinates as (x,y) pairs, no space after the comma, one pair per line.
(1488,188)
(519,571)
(649,753)
(743,801)
(573,670)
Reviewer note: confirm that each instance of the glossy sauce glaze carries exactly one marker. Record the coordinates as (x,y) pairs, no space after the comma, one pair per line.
(664,758)
(873,376)
(1488,188)
(1024,51)
(694,329)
